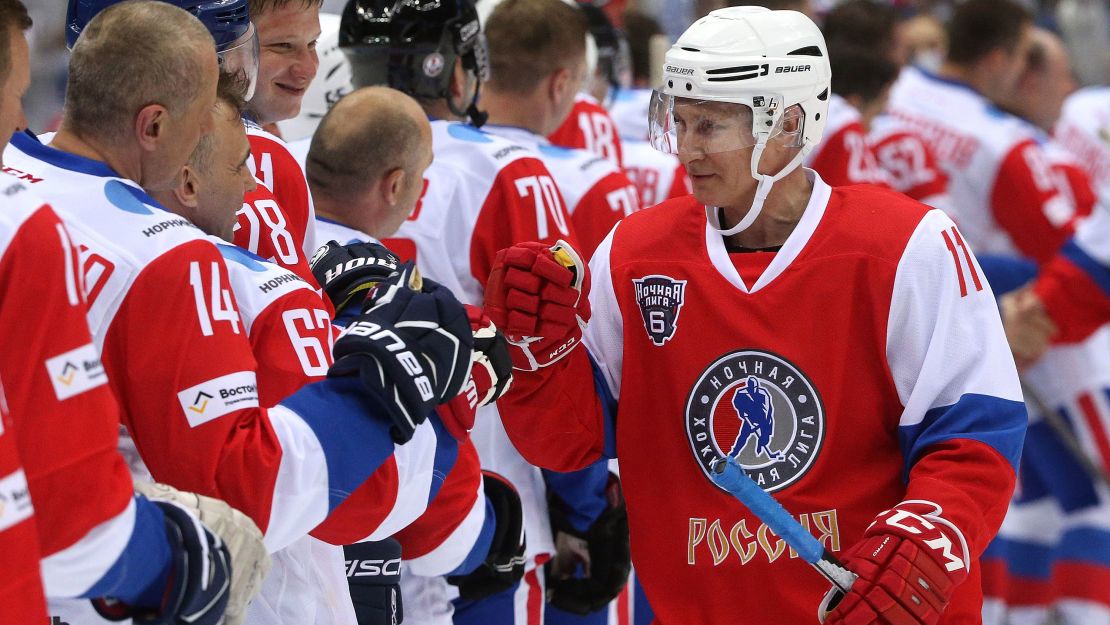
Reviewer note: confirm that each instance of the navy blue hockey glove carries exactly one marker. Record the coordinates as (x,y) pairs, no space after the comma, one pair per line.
(347,273)
(589,568)
(199,579)
(374,577)
(410,347)
(504,565)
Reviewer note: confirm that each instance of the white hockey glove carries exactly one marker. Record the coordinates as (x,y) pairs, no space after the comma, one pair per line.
(249,560)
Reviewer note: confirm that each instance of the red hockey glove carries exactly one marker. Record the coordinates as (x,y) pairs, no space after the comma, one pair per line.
(909,562)
(539,297)
(491,373)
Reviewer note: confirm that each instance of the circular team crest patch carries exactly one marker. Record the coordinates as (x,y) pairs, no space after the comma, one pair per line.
(433,65)
(760,409)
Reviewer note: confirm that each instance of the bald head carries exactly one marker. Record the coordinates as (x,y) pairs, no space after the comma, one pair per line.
(367,157)
(131,55)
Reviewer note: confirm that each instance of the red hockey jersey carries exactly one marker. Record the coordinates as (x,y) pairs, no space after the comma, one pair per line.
(590,127)
(189,396)
(277,221)
(844,155)
(59,415)
(597,193)
(870,351)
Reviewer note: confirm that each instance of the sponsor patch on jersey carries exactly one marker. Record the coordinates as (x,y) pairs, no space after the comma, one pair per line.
(219,396)
(15,500)
(660,299)
(76,371)
(760,409)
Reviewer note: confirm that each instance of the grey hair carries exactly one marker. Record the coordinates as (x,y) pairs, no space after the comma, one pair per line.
(132,55)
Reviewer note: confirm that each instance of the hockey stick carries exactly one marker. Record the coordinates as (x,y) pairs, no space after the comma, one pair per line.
(729,475)
(1067,436)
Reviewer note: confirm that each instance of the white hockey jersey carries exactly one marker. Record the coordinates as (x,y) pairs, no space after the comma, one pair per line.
(1003,191)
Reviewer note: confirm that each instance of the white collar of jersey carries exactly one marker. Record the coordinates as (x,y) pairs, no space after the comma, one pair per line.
(30,145)
(344,234)
(811,217)
(518,135)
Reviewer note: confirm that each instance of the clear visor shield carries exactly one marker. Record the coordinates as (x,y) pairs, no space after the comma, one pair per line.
(241,57)
(679,125)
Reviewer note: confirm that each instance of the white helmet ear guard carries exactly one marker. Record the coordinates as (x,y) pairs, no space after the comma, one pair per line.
(767,62)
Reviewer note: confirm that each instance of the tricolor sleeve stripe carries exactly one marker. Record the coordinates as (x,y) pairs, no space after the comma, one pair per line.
(947,351)
(417,474)
(965,419)
(355,441)
(119,558)
(465,548)
(301,495)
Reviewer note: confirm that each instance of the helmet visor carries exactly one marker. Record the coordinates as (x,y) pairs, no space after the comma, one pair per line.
(241,56)
(686,125)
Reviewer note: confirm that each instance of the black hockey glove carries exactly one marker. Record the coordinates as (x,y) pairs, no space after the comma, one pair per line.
(199,579)
(348,272)
(410,348)
(602,550)
(374,576)
(504,566)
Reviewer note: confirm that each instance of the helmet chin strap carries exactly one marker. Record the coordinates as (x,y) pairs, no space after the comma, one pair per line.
(762,190)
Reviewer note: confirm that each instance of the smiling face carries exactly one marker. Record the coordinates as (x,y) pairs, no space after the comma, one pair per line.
(288,63)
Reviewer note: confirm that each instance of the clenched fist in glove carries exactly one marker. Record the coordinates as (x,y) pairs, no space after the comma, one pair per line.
(909,562)
(539,297)
(347,273)
(410,348)
(491,373)
(250,561)
(504,563)
(602,552)
(199,580)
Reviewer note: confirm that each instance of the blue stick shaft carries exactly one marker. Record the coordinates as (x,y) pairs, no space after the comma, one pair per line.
(735,481)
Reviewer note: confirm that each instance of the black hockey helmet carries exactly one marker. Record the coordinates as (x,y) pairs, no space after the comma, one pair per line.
(412,45)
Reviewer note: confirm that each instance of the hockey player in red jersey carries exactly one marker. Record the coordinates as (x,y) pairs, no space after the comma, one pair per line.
(363,201)
(58,419)
(537,63)
(482,193)
(692,305)
(201,426)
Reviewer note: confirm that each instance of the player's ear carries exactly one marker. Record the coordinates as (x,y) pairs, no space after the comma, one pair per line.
(557,83)
(393,182)
(150,125)
(458,82)
(186,190)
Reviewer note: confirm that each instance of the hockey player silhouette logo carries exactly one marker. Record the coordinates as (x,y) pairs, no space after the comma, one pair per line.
(757,418)
(760,409)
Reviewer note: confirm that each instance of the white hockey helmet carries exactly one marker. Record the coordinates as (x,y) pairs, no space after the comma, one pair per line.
(746,68)
(332,81)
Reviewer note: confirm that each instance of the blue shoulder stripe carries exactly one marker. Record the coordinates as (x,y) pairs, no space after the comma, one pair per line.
(999,423)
